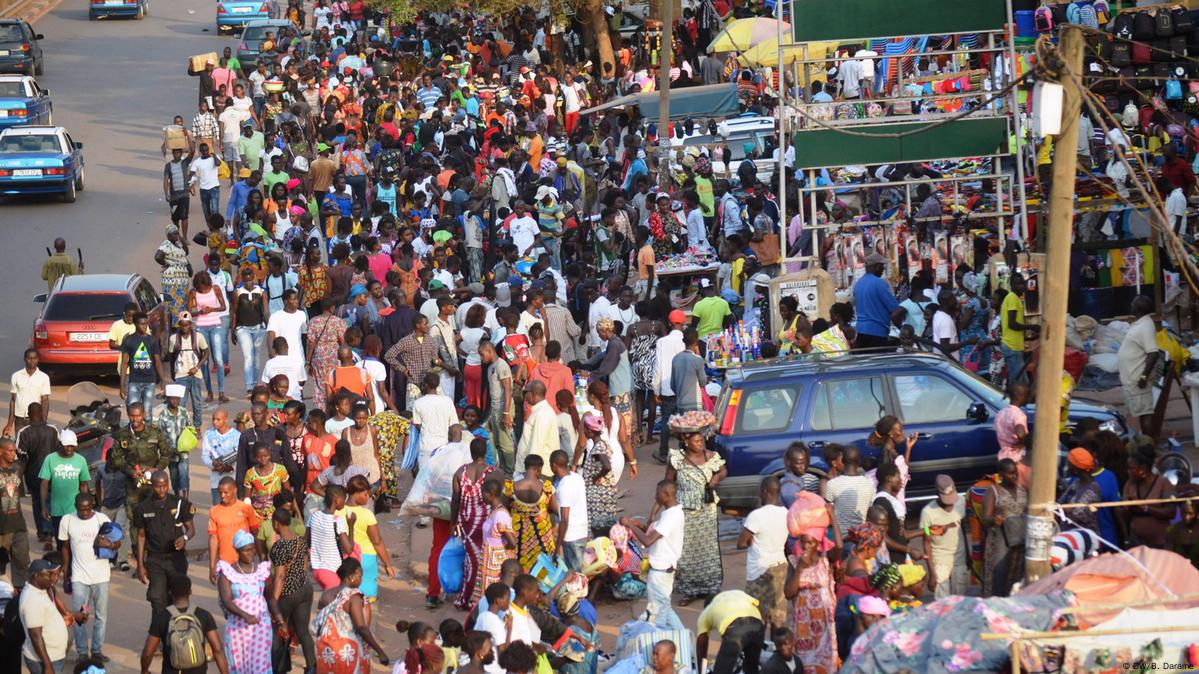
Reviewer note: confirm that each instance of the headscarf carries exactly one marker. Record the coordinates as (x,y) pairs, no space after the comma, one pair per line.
(970,282)
(886,577)
(870,605)
(865,535)
(593,422)
(910,574)
(242,538)
(1081,459)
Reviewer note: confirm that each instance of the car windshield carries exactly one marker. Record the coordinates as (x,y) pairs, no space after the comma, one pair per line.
(11,33)
(254,35)
(85,307)
(736,143)
(12,89)
(29,144)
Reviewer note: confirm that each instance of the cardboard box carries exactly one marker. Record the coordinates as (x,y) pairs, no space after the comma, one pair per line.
(197,62)
(174,137)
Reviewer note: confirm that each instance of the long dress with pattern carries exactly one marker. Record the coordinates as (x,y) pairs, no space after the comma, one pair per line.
(391,429)
(812,619)
(997,545)
(324,331)
(601,496)
(644,359)
(176,280)
(248,647)
(495,553)
(339,649)
(700,573)
(472,513)
(532,524)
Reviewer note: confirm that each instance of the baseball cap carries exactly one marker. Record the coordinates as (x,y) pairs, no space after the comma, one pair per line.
(705,283)
(875,258)
(677,317)
(68,439)
(322,147)
(475,288)
(436,285)
(40,565)
(947,491)
(244,173)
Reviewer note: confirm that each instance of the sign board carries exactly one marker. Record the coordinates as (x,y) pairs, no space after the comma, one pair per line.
(837,20)
(813,288)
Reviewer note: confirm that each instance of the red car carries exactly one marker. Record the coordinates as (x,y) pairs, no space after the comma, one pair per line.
(71,332)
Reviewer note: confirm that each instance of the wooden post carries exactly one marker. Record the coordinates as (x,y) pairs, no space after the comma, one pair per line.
(1054,295)
(665,49)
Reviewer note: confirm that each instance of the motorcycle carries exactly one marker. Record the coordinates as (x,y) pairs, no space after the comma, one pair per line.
(94,419)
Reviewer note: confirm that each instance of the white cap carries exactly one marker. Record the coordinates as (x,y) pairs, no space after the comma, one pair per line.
(175,390)
(68,439)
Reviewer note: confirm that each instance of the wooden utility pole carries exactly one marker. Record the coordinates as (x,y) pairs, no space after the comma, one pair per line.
(1054,290)
(665,50)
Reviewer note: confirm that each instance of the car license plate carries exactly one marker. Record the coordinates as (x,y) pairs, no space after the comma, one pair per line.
(3,113)
(242,10)
(3,52)
(89,336)
(27,173)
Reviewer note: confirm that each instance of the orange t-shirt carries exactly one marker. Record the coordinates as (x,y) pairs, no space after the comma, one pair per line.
(353,379)
(318,452)
(226,520)
(645,262)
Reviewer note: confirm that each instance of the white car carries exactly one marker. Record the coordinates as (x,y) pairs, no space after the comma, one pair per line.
(736,133)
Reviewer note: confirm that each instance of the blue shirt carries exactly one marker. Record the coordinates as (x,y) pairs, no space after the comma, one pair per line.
(429,96)
(237,199)
(874,302)
(636,168)
(1109,490)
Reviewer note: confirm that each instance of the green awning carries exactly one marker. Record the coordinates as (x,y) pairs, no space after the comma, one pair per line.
(819,20)
(713,100)
(969,137)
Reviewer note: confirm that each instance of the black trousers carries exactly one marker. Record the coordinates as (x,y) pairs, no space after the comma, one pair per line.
(742,640)
(668,405)
(296,609)
(864,341)
(160,566)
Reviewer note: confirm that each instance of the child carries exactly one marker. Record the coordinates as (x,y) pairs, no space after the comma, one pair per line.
(452,636)
(423,655)
(784,660)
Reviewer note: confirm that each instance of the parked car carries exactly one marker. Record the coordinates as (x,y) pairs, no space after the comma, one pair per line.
(766,406)
(23,102)
(735,133)
(20,48)
(250,46)
(103,9)
(40,160)
(71,331)
(233,14)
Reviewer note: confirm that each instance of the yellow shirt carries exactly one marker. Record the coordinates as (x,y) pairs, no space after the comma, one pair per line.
(365,519)
(735,277)
(1012,339)
(724,609)
(118,332)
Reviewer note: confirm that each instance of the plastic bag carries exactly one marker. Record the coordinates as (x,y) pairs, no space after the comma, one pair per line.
(808,511)
(412,451)
(450,565)
(187,440)
(435,482)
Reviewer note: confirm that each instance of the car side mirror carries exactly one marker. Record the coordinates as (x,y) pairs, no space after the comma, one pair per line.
(78,145)
(40,298)
(39,36)
(45,92)
(977,413)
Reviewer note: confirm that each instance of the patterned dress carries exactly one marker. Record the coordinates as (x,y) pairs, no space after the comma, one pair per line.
(997,547)
(339,649)
(644,359)
(262,488)
(812,619)
(324,331)
(601,496)
(176,281)
(248,647)
(472,513)
(391,430)
(495,553)
(532,524)
(700,573)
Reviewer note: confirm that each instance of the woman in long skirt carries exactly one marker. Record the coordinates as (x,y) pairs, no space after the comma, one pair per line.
(326,333)
(810,586)
(697,471)
(248,619)
(499,540)
(468,512)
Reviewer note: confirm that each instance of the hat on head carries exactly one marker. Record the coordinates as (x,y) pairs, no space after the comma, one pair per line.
(244,173)
(947,491)
(503,295)
(357,290)
(242,539)
(441,236)
(677,317)
(875,258)
(247,123)
(294,182)
(209,62)
(562,161)
(40,565)
(516,282)
(1081,459)
(910,574)
(436,285)
(593,422)
(322,147)
(705,283)
(729,295)
(676,206)
(871,605)
(172,229)
(184,317)
(68,439)
(175,390)
(475,288)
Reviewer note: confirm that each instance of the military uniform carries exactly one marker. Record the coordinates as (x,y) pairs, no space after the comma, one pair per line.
(137,456)
(164,522)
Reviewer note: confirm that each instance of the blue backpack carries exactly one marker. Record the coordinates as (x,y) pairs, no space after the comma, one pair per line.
(1173,90)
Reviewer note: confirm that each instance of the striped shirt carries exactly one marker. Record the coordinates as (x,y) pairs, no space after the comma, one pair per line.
(428,96)
(204,125)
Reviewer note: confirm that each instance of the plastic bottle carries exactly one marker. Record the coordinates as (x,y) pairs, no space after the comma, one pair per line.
(1175,443)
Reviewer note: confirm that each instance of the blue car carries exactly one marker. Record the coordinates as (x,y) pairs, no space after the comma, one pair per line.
(23,102)
(40,160)
(102,9)
(234,14)
(764,407)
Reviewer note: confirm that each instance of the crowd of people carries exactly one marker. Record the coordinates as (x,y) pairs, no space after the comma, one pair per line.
(443,283)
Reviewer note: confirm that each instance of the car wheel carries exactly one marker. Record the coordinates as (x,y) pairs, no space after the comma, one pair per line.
(69,195)
(79,181)
(146,9)
(141,12)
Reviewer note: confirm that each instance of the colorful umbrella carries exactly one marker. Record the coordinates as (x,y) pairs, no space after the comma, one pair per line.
(741,34)
(765,53)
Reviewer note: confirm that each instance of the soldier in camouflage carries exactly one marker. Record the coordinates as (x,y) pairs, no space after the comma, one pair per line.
(137,451)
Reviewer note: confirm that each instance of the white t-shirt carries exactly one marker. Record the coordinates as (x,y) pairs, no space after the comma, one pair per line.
(665,552)
(289,327)
(570,98)
(323,531)
(572,494)
(945,328)
(37,609)
(378,373)
(205,171)
(850,77)
(290,365)
(434,413)
(492,624)
(524,231)
(230,120)
(768,524)
(81,534)
(1176,211)
(598,310)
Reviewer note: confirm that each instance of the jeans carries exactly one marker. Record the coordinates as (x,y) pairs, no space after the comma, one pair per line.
(505,443)
(191,395)
(358,184)
(668,404)
(572,553)
(210,201)
(140,392)
(553,246)
(216,496)
(95,597)
(474,260)
(659,585)
(217,336)
(180,478)
(250,342)
(35,666)
(1015,365)
(41,518)
(259,105)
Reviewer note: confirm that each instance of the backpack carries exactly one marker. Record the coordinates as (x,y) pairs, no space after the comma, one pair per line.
(1163,23)
(1141,54)
(1073,13)
(1130,117)
(1173,90)
(1123,26)
(1103,12)
(1087,17)
(185,636)
(1142,26)
(1178,47)
(1183,23)
(1121,54)
(1043,19)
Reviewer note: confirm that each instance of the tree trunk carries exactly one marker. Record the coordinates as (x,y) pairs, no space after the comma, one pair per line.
(603,39)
